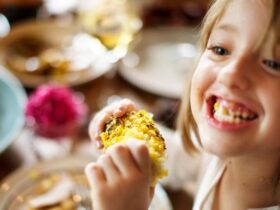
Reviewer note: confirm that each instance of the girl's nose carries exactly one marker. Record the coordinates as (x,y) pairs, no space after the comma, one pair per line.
(235,74)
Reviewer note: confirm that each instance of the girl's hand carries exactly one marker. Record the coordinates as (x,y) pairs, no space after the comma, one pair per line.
(120,179)
(117,109)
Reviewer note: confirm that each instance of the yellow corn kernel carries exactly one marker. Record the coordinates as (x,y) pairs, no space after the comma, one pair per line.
(138,125)
(225,111)
(216,106)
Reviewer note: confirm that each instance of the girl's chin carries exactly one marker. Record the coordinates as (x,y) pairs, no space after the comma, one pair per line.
(221,145)
(221,153)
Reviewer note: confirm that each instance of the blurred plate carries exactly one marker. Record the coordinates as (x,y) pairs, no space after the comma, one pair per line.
(12,102)
(18,187)
(42,51)
(161,60)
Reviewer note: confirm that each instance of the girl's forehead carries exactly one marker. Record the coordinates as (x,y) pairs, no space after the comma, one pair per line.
(248,22)
(252,12)
(250,17)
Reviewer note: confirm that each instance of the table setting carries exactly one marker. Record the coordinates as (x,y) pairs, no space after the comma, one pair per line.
(61,66)
(60,184)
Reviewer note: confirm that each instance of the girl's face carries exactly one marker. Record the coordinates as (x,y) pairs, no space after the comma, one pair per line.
(235,90)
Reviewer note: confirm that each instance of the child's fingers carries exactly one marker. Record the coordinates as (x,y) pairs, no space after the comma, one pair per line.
(140,153)
(93,129)
(97,126)
(110,170)
(99,121)
(123,107)
(95,175)
(123,159)
(119,112)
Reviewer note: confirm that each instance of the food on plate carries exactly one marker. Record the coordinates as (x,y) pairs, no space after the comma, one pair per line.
(38,56)
(138,125)
(57,192)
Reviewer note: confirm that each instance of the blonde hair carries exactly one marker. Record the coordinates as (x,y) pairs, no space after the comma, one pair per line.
(186,123)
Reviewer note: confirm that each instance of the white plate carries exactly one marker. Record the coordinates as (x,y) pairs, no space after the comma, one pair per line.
(84,49)
(18,186)
(12,103)
(161,61)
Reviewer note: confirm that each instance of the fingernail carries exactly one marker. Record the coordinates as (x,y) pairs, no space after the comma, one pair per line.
(96,136)
(98,144)
(117,112)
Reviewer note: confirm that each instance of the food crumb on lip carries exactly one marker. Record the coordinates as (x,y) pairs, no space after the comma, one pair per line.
(232,108)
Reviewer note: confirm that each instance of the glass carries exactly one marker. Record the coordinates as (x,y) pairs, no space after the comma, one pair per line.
(113,23)
(5,26)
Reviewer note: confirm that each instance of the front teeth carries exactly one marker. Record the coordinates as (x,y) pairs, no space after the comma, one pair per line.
(221,115)
(224,114)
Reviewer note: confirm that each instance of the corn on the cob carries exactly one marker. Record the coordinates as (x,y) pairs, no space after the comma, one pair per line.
(138,125)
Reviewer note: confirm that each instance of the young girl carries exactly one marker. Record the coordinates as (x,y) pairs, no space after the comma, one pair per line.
(233,110)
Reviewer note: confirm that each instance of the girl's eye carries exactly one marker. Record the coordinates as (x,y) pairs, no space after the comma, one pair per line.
(219,50)
(274,65)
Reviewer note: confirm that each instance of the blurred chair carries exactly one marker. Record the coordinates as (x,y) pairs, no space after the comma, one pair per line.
(16,10)
(176,12)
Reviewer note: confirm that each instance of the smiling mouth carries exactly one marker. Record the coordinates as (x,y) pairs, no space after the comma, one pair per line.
(229,112)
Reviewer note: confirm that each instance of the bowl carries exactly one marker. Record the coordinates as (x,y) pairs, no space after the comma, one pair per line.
(12,101)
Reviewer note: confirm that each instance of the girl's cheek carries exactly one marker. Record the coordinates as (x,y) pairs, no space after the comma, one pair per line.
(198,80)
(204,74)
(201,81)
(195,94)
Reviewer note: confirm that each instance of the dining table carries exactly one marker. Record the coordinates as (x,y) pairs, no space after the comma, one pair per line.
(97,93)
(109,86)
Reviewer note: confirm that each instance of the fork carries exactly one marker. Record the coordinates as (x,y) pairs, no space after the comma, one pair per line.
(82,197)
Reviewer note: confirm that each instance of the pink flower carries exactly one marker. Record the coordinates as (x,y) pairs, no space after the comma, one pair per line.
(55,111)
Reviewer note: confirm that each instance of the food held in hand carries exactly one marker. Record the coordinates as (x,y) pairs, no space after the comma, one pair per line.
(138,125)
